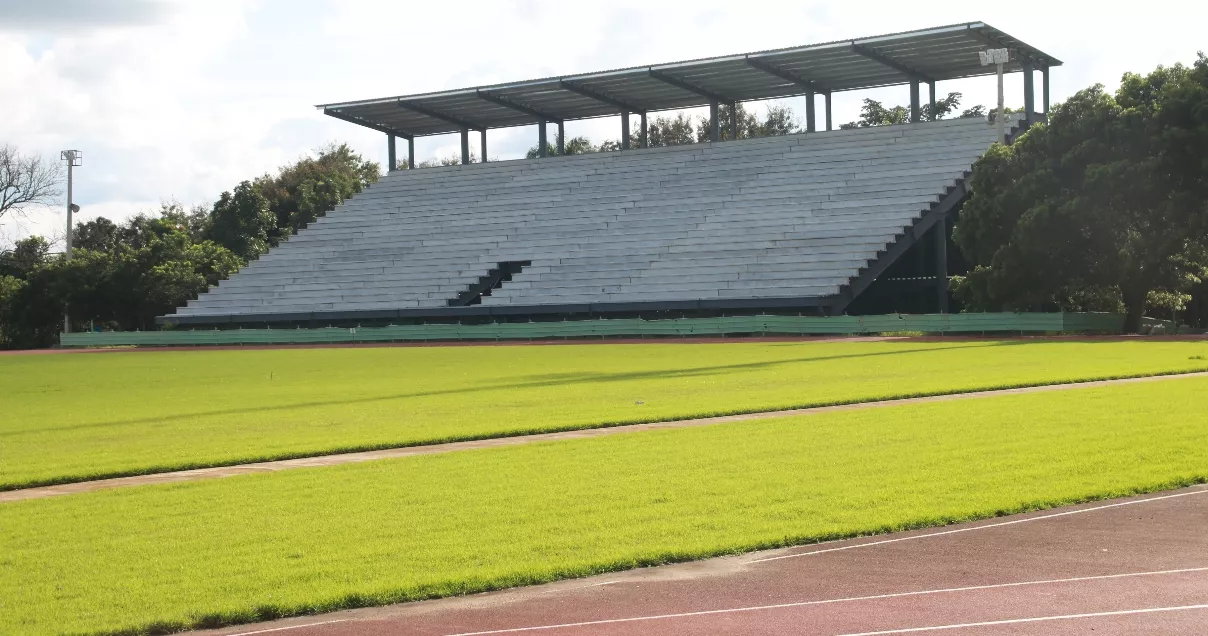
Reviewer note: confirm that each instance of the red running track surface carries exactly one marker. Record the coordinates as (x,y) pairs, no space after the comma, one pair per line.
(1131,566)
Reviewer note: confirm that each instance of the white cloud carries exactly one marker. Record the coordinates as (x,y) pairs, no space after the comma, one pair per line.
(185,99)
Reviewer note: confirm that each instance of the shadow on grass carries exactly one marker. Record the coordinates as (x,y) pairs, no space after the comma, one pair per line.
(528,382)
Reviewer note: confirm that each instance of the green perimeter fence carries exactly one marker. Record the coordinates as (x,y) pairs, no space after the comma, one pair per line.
(1022,323)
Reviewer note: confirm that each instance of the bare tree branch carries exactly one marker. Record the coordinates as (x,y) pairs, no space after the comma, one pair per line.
(26,181)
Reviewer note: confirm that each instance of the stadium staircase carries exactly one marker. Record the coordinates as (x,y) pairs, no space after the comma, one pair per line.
(750,223)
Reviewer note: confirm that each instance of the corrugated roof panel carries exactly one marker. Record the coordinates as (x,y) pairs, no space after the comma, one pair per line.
(940,53)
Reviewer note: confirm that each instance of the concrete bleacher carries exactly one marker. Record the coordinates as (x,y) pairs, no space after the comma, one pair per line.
(776,217)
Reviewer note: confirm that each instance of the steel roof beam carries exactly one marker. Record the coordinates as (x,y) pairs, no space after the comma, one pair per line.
(787,76)
(885,60)
(434,114)
(688,86)
(516,106)
(368,124)
(590,93)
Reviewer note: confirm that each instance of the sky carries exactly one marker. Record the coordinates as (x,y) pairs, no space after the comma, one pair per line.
(181,100)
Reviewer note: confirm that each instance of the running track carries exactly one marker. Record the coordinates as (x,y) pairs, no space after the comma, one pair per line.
(1131,566)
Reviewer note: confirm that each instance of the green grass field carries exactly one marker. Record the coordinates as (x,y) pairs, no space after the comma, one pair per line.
(308,540)
(82,416)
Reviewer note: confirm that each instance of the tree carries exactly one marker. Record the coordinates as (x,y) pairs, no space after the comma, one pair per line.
(666,131)
(448,160)
(779,120)
(314,186)
(99,235)
(26,181)
(10,292)
(874,113)
(1103,206)
(574,146)
(193,221)
(25,256)
(130,274)
(242,222)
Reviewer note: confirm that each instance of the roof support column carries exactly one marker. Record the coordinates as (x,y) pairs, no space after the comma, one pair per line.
(645,132)
(1029,93)
(714,124)
(542,143)
(914,100)
(733,120)
(484,145)
(1044,89)
(828,110)
(390,156)
(624,130)
(810,126)
(931,92)
(561,138)
(411,153)
(465,146)
(940,237)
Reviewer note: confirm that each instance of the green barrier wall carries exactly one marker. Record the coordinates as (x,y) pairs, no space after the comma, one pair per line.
(737,325)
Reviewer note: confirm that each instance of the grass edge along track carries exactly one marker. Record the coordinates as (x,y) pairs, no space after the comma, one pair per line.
(258,547)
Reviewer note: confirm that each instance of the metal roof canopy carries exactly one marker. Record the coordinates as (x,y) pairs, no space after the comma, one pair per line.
(927,55)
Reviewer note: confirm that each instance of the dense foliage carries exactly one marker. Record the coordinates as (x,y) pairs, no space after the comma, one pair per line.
(874,113)
(123,276)
(679,130)
(1105,207)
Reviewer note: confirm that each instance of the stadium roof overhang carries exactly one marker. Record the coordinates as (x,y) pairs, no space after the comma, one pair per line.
(928,55)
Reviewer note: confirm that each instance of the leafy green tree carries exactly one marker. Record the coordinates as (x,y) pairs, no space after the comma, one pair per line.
(150,268)
(574,146)
(24,257)
(313,186)
(874,113)
(779,120)
(1103,206)
(10,292)
(99,234)
(242,222)
(725,115)
(193,221)
(667,131)
(448,160)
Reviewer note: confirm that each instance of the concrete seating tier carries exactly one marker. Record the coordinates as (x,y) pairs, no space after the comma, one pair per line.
(775,217)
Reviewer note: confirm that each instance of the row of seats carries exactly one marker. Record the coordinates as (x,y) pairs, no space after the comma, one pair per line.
(790,216)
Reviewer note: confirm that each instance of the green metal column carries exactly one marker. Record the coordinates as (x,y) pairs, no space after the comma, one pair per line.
(940,238)
(809,111)
(714,125)
(914,100)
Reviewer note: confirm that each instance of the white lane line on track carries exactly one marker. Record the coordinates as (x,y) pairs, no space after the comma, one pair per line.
(987,526)
(1038,619)
(281,629)
(875,597)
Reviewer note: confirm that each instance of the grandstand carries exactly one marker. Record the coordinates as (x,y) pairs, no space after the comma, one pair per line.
(823,222)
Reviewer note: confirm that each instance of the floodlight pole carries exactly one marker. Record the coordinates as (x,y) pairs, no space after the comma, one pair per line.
(998,57)
(1002,111)
(71,156)
(70,161)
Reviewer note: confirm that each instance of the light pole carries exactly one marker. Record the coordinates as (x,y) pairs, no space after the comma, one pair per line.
(998,57)
(74,158)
